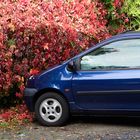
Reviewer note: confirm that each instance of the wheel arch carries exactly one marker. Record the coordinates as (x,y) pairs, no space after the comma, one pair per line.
(43,91)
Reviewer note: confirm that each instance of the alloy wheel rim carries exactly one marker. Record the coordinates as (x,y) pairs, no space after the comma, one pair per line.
(50,110)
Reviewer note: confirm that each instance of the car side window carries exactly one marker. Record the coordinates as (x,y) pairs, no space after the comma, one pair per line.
(124,54)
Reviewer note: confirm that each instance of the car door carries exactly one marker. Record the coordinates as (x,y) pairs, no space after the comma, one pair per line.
(109,77)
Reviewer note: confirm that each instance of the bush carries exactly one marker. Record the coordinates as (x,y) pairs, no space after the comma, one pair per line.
(116,18)
(131,9)
(38,34)
(15,116)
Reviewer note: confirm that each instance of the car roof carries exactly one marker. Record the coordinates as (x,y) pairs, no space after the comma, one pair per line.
(128,33)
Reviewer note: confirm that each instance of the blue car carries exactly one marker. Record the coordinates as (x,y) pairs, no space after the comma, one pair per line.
(103,80)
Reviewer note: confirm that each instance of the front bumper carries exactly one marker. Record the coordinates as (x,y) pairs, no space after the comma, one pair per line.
(29,96)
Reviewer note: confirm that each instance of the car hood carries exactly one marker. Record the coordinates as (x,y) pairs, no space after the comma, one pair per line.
(49,69)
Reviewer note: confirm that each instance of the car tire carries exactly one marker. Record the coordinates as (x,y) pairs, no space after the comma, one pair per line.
(51,109)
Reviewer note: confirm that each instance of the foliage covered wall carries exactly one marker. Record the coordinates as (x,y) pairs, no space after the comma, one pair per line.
(35,34)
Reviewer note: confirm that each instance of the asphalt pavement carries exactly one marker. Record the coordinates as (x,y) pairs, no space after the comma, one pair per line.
(79,128)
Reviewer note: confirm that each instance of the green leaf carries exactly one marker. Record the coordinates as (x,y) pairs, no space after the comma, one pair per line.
(11,42)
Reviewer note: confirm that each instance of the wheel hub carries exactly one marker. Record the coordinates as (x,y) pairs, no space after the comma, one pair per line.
(50,110)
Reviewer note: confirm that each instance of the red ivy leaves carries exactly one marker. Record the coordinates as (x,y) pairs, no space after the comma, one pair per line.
(118,3)
(38,34)
(18,115)
(34,71)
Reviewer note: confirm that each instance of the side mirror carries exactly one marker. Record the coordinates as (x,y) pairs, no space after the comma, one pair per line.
(71,66)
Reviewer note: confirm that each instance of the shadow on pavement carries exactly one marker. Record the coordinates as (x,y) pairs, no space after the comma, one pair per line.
(124,121)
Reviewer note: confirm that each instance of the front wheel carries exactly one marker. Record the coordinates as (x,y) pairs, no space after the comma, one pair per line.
(51,109)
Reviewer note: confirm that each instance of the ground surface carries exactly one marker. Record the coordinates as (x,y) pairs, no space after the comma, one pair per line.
(79,128)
